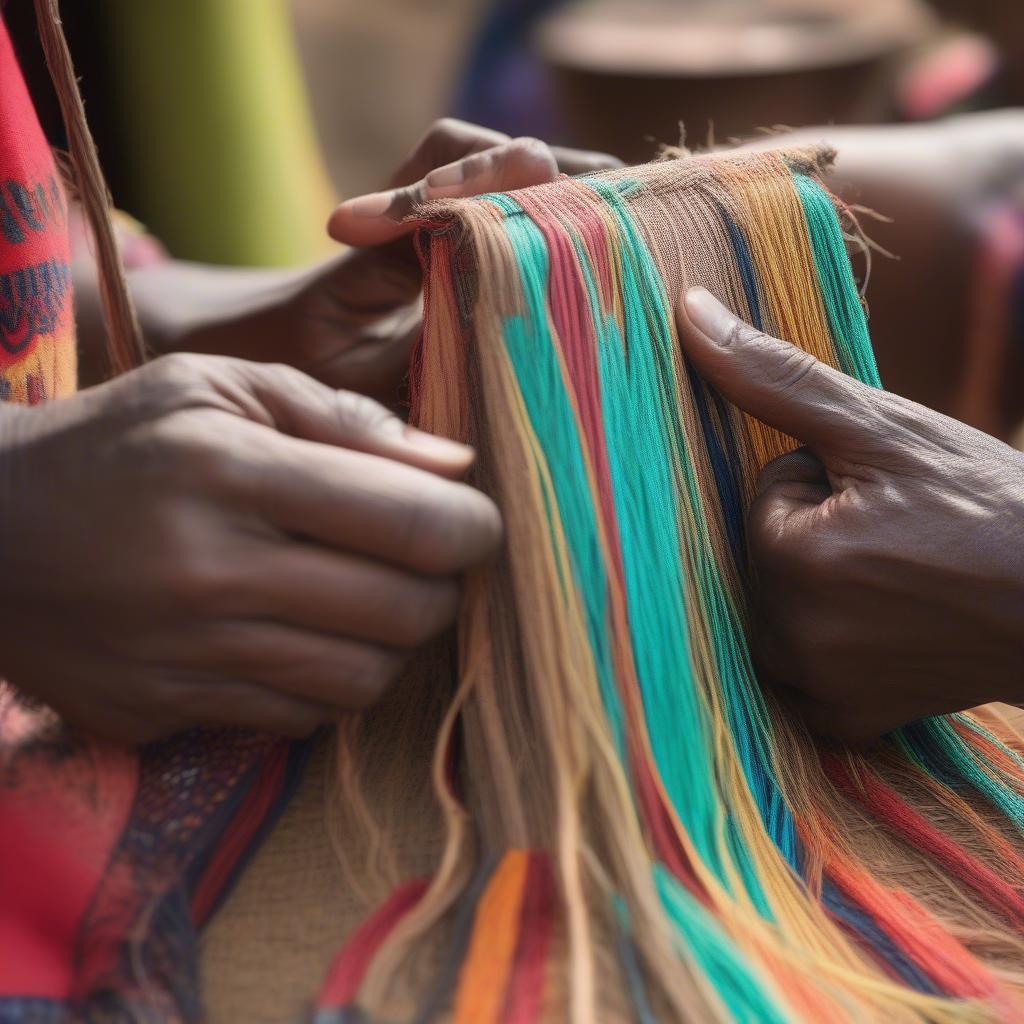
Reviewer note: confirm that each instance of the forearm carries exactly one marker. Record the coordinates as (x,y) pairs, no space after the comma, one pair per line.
(181,306)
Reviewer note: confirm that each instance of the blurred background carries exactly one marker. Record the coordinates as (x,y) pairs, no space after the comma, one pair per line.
(230,127)
(254,101)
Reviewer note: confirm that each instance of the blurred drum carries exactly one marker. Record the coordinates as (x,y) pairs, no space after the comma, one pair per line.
(627,73)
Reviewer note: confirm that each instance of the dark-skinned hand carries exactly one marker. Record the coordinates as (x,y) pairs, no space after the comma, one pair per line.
(888,552)
(350,322)
(211,541)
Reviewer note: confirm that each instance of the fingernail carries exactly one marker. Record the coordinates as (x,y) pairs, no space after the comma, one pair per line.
(709,315)
(376,204)
(442,447)
(445,177)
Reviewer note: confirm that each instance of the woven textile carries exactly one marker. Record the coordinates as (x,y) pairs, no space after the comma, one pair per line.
(581,806)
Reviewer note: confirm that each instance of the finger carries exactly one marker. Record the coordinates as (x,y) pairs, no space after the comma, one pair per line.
(382,216)
(450,139)
(796,477)
(584,161)
(775,381)
(446,140)
(796,466)
(374,506)
(785,527)
(293,403)
(340,593)
(325,674)
(204,699)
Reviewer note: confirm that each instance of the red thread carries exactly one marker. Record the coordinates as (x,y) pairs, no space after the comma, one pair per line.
(349,966)
(890,808)
(524,997)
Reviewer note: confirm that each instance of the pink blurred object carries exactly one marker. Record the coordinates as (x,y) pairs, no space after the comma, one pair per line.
(946,76)
(138,247)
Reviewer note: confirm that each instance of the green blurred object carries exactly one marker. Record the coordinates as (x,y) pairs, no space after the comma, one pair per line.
(222,149)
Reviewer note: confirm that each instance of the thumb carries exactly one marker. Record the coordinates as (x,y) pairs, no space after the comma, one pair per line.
(383,216)
(774,381)
(292,403)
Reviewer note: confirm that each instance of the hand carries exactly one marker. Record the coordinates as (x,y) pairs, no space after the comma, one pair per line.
(888,553)
(352,321)
(208,541)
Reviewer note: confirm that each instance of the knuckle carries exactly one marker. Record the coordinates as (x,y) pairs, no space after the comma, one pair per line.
(180,453)
(202,583)
(168,384)
(784,366)
(177,368)
(743,335)
(256,384)
(281,375)
(358,413)
(530,144)
(792,367)
(534,156)
(535,149)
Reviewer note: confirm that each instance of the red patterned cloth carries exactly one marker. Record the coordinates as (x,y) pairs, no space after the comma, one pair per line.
(110,860)
(37,334)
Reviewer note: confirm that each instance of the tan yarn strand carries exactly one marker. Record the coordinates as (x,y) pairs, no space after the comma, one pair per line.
(124,339)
